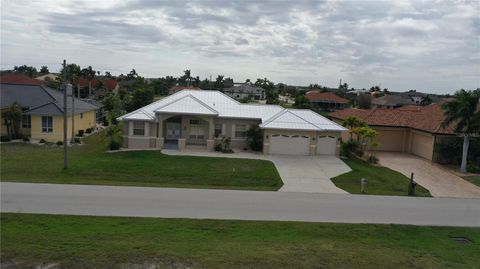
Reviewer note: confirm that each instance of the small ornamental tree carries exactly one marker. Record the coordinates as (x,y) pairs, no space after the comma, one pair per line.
(255,138)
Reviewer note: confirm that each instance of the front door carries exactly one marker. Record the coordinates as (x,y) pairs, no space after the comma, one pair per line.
(173,130)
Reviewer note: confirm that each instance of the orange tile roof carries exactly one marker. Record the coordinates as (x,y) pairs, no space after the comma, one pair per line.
(108,84)
(427,118)
(315,96)
(11,78)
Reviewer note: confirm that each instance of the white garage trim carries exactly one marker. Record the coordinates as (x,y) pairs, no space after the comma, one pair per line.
(284,144)
(326,145)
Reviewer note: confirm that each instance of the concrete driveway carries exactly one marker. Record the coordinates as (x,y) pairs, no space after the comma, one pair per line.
(309,173)
(439,181)
(299,173)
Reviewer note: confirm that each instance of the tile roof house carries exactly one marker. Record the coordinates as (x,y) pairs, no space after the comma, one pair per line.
(43,111)
(13,78)
(191,118)
(391,101)
(245,90)
(326,100)
(412,129)
(100,87)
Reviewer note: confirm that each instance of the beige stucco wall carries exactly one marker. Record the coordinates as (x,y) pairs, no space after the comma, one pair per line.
(390,139)
(422,144)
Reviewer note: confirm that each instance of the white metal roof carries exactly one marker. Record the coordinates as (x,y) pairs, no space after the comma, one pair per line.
(215,103)
(187,104)
(301,119)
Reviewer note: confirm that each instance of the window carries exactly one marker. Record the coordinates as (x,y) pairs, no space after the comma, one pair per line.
(197,132)
(194,122)
(218,130)
(47,124)
(240,130)
(26,121)
(138,128)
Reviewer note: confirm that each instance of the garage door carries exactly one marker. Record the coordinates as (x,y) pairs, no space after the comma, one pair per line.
(289,144)
(389,140)
(326,145)
(422,145)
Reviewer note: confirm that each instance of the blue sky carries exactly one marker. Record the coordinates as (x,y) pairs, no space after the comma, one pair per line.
(432,46)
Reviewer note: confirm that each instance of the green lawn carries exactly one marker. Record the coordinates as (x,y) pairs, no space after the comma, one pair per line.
(90,164)
(473,179)
(380,180)
(110,242)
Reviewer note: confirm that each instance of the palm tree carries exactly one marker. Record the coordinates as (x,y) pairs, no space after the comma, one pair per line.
(352,122)
(89,74)
(464,114)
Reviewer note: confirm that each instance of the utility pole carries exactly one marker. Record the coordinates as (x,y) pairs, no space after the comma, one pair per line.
(73,116)
(65,157)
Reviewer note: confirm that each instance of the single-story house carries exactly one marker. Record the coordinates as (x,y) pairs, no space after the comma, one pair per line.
(391,101)
(42,116)
(326,100)
(176,89)
(15,78)
(410,129)
(245,90)
(201,119)
(99,87)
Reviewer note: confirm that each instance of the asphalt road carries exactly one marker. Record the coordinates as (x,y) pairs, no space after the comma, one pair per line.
(229,204)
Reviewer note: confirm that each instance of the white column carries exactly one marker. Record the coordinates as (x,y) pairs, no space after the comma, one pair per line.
(130,128)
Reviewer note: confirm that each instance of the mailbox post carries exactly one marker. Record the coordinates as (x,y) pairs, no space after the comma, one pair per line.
(411,186)
(363,182)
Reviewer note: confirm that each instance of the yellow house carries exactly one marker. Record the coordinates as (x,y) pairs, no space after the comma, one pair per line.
(42,116)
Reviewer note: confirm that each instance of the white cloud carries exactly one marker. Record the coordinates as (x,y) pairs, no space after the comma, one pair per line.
(430,46)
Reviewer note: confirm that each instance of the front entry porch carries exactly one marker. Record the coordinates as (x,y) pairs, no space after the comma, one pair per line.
(183,132)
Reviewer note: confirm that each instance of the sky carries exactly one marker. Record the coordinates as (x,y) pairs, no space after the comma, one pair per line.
(430,46)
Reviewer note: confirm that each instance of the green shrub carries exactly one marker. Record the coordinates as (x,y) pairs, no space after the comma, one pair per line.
(5,138)
(80,133)
(77,140)
(218,147)
(42,141)
(449,151)
(59,143)
(351,147)
(88,130)
(473,168)
(255,138)
(26,139)
(114,145)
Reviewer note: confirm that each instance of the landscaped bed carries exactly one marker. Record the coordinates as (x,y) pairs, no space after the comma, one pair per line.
(113,242)
(91,164)
(473,179)
(380,180)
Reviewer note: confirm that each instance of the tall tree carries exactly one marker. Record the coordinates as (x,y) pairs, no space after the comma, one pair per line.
(27,70)
(270,92)
(89,74)
(464,114)
(352,122)
(44,70)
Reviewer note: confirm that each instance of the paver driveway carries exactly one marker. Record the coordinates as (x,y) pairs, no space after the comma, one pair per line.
(439,181)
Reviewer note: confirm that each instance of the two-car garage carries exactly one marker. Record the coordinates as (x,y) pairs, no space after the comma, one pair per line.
(301,144)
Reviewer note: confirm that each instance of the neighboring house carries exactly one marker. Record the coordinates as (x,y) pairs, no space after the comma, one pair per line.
(48,77)
(13,78)
(99,87)
(326,100)
(410,129)
(43,111)
(100,111)
(176,89)
(391,101)
(245,90)
(201,118)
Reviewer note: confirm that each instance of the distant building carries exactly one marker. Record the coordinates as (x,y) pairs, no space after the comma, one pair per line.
(13,78)
(245,90)
(326,100)
(391,101)
(176,89)
(48,77)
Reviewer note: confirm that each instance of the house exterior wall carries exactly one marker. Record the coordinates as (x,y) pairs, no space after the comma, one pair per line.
(228,130)
(390,139)
(88,121)
(422,144)
(313,135)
